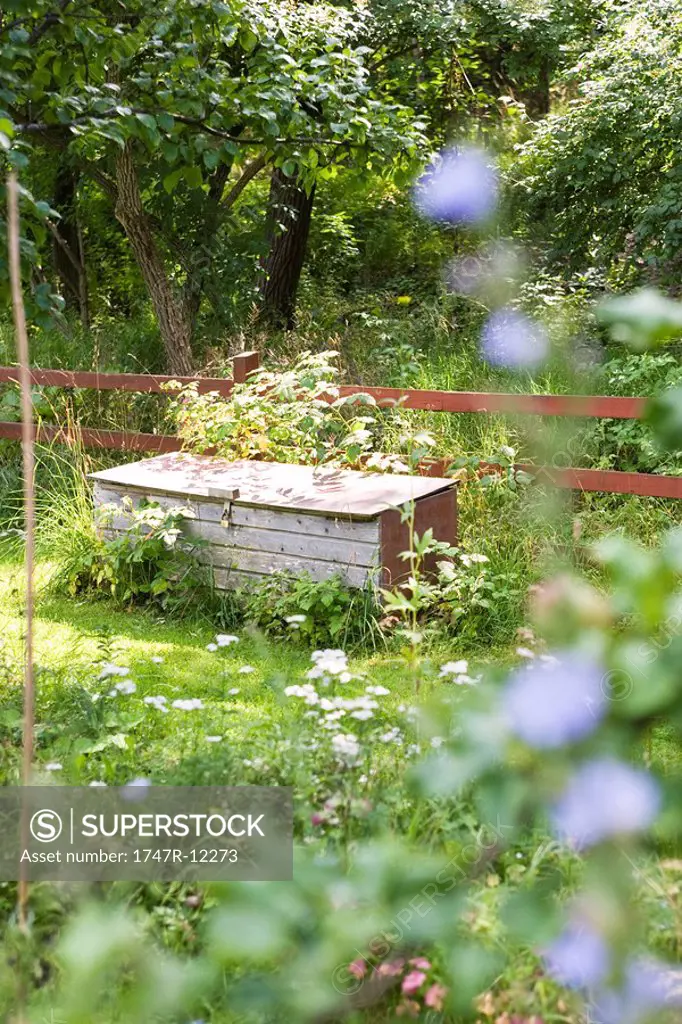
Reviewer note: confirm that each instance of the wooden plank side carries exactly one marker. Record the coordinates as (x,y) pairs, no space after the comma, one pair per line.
(361,531)
(265,563)
(612,407)
(365,531)
(437,512)
(346,551)
(89,437)
(612,481)
(137,382)
(591,406)
(230,579)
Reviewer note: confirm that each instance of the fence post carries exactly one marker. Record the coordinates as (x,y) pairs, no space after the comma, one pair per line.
(243,364)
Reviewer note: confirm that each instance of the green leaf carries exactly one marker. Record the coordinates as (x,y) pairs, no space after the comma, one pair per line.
(171,180)
(147,120)
(166,121)
(247,39)
(642,320)
(193,176)
(664,416)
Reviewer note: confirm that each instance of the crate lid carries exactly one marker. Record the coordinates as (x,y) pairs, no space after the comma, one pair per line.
(315,489)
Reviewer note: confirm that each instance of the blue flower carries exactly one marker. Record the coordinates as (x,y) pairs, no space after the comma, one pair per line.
(648,986)
(460,188)
(511,339)
(579,958)
(604,798)
(554,702)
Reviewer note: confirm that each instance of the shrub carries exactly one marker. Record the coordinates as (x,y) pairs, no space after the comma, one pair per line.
(296,415)
(151,561)
(319,612)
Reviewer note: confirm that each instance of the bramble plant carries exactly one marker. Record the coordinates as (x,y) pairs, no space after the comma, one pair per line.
(297,415)
(319,612)
(152,559)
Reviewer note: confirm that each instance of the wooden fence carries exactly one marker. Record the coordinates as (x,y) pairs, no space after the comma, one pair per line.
(584,406)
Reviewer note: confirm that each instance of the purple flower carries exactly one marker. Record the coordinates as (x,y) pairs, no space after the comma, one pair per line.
(649,985)
(460,188)
(605,797)
(579,958)
(552,703)
(511,339)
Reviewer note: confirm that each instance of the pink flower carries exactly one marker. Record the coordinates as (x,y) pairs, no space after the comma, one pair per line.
(421,963)
(318,819)
(391,969)
(357,968)
(413,981)
(434,996)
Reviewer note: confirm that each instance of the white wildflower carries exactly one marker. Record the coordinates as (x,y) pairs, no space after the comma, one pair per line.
(329,663)
(346,746)
(245,670)
(378,691)
(363,715)
(525,652)
(225,639)
(135,790)
(213,739)
(454,668)
(158,702)
(234,691)
(53,766)
(211,647)
(307,692)
(189,704)
(469,560)
(436,741)
(109,669)
(97,784)
(157,660)
(393,735)
(507,451)
(295,620)
(126,686)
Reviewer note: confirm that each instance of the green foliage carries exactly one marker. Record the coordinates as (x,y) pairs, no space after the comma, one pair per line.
(292,607)
(598,178)
(294,415)
(202,97)
(152,560)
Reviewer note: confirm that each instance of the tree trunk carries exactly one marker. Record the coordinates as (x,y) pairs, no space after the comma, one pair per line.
(68,244)
(538,100)
(175,324)
(290,213)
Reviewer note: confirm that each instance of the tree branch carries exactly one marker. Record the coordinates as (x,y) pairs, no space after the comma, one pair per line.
(37,128)
(253,168)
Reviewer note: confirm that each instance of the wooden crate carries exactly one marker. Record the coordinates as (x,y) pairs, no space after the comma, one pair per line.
(260,517)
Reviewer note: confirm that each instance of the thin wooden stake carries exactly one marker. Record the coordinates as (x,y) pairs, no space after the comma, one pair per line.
(29,512)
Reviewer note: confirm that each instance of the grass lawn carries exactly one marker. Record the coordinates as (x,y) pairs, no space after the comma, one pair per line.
(240,686)
(245,732)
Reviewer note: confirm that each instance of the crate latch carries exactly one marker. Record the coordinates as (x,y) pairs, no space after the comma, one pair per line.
(229,496)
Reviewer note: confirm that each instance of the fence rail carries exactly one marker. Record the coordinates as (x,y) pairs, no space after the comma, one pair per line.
(581,406)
